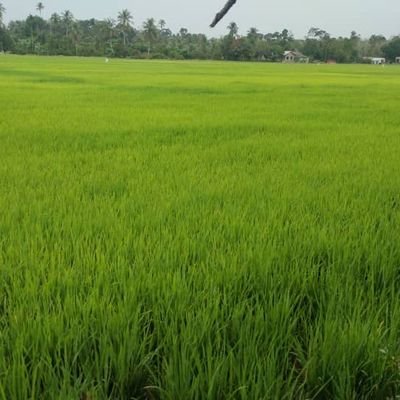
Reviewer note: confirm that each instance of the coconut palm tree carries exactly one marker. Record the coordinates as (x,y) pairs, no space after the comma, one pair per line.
(109,25)
(55,18)
(125,19)
(2,12)
(40,8)
(67,19)
(161,24)
(55,21)
(150,33)
(163,30)
(233,29)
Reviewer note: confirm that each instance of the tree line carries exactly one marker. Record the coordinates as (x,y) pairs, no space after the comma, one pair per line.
(62,34)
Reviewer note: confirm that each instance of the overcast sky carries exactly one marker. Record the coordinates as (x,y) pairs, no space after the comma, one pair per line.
(338,17)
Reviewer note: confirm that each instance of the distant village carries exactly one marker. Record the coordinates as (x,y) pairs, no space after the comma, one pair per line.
(63,34)
(294,56)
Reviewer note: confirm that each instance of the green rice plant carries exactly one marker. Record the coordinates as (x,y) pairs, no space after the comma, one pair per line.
(198,230)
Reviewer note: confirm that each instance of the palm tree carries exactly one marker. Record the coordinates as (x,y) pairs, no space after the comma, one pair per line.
(183,32)
(40,7)
(125,19)
(162,24)
(164,32)
(150,33)
(2,11)
(55,20)
(253,33)
(67,18)
(233,29)
(109,25)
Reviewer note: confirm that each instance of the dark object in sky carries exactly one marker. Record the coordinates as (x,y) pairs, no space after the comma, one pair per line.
(223,12)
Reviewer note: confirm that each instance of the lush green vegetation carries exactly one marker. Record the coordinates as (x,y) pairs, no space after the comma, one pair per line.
(62,34)
(195,230)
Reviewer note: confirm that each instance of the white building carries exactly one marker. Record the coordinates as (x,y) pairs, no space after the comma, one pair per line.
(294,57)
(397,60)
(378,60)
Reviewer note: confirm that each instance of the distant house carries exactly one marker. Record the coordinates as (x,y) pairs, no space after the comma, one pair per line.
(294,57)
(397,60)
(376,60)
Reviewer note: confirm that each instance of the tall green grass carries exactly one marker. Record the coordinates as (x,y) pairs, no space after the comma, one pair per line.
(194,230)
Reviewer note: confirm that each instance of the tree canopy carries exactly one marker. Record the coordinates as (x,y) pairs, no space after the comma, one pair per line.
(62,34)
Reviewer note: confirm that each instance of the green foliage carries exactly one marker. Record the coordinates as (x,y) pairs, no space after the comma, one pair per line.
(63,35)
(198,230)
(6,43)
(392,49)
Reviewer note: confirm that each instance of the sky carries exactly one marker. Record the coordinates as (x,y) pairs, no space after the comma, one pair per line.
(338,17)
